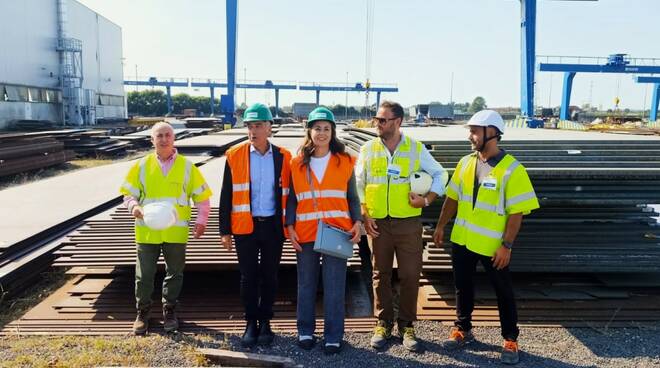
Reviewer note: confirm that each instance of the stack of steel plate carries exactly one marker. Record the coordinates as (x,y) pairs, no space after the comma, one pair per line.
(596,193)
(20,153)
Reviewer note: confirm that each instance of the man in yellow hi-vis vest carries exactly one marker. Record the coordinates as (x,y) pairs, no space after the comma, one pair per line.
(489,193)
(391,214)
(166,181)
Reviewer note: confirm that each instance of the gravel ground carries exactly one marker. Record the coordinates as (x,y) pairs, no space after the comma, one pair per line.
(541,347)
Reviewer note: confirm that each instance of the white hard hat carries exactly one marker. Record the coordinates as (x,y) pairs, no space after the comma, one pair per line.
(159,215)
(420,182)
(487,118)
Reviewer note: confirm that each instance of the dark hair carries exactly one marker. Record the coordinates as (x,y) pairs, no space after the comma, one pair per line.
(395,107)
(307,148)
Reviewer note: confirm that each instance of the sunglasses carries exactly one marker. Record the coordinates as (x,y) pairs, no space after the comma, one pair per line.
(383,121)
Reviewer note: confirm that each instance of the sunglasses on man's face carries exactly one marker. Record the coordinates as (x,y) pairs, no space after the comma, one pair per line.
(383,121)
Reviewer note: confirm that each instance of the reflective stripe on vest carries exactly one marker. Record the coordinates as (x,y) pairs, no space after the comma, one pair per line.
(387,195)
(133,190)
(322,214)
(180,223)
(238,159)
(480,224)
(330,196)
(159,188)
(321,193)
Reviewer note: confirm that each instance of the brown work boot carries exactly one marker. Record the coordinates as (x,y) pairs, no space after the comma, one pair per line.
(141,324)
(170,322)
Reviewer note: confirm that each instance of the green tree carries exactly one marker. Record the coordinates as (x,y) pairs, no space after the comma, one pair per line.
(478,104)
(151,102)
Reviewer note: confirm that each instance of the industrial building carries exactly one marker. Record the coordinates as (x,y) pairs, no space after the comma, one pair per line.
(61,62)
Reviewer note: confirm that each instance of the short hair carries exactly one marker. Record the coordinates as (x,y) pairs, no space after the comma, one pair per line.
(395,107)
(159,125)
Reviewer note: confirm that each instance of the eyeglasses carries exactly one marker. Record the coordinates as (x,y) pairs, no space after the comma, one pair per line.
(376,120)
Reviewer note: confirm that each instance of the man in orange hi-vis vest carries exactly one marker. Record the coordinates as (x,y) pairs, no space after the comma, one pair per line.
(254,191)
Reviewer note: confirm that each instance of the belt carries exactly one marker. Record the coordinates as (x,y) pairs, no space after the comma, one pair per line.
(263,218)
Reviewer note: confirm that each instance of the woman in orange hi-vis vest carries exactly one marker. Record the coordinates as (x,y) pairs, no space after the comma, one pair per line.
(322,187)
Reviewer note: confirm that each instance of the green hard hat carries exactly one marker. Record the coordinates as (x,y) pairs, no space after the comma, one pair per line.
(320,113)
(257,112)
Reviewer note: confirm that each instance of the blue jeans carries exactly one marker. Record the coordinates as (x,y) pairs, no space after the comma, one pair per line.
(334,289)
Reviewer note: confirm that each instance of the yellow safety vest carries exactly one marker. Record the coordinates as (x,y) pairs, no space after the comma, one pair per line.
(506,190)
(145,182)
(386,194)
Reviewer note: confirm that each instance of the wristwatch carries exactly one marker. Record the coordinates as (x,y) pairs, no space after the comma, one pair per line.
(507,245)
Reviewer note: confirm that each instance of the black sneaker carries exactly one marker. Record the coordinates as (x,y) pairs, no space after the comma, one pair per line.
(331,349)
(307,344)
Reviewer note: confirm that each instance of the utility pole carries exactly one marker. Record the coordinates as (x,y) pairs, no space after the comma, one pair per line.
(346,105)
(451,90)
(550,93)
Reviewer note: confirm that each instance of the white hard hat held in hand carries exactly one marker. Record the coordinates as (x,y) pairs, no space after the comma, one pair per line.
(420,182)
(159,215)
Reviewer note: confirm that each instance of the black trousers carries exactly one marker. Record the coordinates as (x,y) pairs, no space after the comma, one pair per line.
(464,264)
(259,257)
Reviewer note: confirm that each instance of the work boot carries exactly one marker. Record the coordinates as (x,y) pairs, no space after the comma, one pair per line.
(251,334)
(406,332)
(457,338)
(141,324)
(382,332)
(170,322)
(510,352)
(266,335)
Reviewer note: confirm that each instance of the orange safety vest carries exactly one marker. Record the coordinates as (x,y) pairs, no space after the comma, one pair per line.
(238,159)
(331,196)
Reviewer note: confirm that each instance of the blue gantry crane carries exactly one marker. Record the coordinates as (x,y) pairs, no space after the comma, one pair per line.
(528,56)
(357,87)
(615,63)
(156,82)
(213,84)
(228,100)
(655,100)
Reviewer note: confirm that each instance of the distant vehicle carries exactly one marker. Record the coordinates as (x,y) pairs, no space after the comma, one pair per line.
(440,112)
(433,112)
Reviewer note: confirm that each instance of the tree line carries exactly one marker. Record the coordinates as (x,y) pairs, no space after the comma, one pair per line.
(153,102)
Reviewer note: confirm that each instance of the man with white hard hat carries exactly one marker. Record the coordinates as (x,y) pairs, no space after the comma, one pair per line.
(489,193)
(157,192)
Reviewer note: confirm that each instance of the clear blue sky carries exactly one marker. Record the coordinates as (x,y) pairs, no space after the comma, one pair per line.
(417,45)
